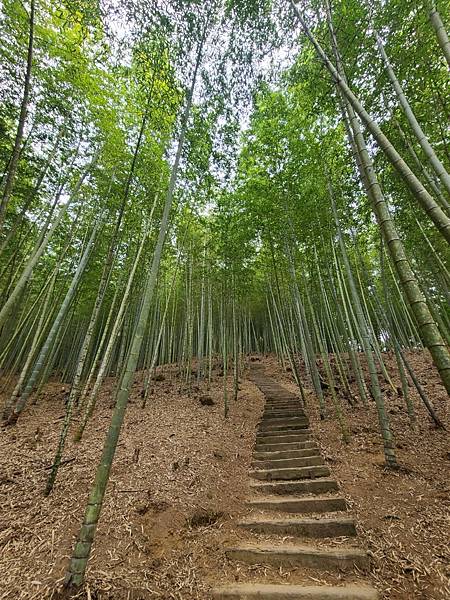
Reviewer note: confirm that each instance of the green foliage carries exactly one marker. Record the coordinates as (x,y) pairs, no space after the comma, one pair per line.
(261,150)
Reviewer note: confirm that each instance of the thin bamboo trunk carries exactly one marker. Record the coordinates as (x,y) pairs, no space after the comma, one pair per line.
(429,332)
(383,418)
(439,29)
(80,557)
(41,360)
(428,150)
(12,167)
(39,250)
(423,197)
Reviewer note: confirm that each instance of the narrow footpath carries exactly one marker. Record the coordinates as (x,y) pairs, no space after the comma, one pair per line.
(292,479)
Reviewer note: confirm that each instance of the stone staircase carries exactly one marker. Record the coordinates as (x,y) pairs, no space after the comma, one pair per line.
(290,481)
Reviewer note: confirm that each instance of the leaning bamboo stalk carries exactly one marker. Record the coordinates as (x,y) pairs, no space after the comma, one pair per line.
(41,360)
(80,557)
(428,330)
(367,341)
(422,139)
(39,249)
(110,346)
(423,197)
(440,31)
(12,166)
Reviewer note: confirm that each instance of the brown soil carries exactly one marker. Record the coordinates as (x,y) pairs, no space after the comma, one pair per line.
(179,477)
(179,483)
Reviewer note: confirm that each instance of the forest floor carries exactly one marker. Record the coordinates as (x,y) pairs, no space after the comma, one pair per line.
(179,483)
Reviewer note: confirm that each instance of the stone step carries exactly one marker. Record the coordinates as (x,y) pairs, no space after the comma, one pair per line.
(307,486)
(285,431)
(283,438)
(293,403)
(282,405)
(262,591)
(289,402)
(298,430)
(267,425)
(279,433)
(284,410)
(284,463)
(277,419)
(300,556)
(301,422)
(300,527)
(285,446)
(281,414)
(292,504)
(269,418)
(284,400)
(264,423)
(278,394)
(291,473)
(286,454)
(281,397)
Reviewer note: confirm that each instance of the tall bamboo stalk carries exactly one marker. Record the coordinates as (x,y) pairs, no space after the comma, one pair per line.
(428,330)
(423,197)
(82,550)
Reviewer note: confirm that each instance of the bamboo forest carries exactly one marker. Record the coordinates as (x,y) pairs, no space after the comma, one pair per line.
(224,299)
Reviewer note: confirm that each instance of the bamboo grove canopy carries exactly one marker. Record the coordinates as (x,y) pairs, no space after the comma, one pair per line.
(184,179)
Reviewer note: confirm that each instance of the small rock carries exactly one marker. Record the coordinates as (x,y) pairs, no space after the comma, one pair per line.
(206,400)
(217,454)
(142,508)
(203,518)
(4,480)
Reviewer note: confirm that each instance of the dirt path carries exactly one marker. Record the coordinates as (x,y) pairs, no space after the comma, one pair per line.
(293,481)
(402,516)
